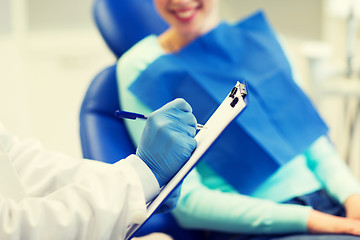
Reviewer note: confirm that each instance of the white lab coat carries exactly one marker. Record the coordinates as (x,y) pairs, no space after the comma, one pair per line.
(68,198)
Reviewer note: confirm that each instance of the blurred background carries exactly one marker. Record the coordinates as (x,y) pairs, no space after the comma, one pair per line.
(51,50)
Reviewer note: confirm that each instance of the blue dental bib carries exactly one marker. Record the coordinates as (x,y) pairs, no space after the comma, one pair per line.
(279,122)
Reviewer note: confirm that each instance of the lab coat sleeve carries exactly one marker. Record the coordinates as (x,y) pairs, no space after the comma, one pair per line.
(202,208)
(331,170)
(69,198)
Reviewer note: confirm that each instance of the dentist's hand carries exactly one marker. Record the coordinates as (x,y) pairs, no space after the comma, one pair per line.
(168,139)
(170,202)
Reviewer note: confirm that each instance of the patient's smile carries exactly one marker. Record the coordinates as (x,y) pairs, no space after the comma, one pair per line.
(185,13)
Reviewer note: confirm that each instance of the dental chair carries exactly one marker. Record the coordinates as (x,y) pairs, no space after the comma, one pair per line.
(122,23)
(104,137)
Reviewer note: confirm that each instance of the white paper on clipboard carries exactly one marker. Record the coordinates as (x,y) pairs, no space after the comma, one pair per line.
(233,104)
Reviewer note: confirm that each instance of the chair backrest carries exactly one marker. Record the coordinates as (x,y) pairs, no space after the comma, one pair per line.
(103,136)
(122,23)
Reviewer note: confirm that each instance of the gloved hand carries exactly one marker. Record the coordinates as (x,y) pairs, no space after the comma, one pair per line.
(168,139)
(170,202)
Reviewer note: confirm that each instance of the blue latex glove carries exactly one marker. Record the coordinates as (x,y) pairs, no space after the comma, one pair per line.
(168,139)
(170,202)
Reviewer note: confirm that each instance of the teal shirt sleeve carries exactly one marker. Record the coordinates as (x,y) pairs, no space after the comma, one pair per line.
(331,170)
(202,208)
(128,68)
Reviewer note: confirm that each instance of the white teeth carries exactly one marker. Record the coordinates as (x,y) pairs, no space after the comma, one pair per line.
(185,14)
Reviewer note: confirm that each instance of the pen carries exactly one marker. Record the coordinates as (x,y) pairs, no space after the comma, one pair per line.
(134,116)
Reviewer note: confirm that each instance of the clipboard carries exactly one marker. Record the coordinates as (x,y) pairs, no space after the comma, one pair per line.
(231,107)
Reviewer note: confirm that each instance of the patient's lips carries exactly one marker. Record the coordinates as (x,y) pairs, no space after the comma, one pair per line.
(185,13)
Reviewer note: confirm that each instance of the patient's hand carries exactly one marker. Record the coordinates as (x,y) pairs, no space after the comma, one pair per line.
(319,222)
(352,206)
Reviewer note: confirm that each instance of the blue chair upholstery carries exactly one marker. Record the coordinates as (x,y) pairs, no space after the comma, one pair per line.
(122,23)
(103,136)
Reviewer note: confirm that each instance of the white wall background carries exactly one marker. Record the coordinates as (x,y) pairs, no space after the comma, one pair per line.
(50,51)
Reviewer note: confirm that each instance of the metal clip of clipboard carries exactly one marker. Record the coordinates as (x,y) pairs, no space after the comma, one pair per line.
(231,107)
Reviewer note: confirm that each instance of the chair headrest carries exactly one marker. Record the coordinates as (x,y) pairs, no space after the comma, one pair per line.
(122,23)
